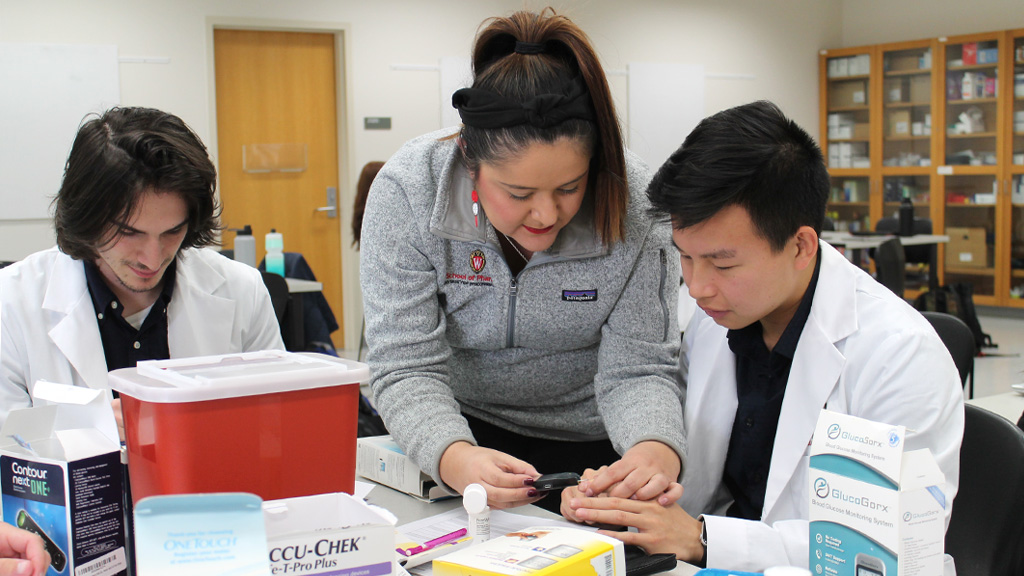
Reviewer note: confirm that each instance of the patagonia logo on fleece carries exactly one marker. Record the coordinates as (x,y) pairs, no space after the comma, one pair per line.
(579,295)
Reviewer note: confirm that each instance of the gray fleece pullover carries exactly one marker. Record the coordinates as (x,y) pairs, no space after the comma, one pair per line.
(582,345)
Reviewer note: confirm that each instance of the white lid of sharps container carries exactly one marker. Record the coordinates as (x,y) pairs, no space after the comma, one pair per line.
(234,375)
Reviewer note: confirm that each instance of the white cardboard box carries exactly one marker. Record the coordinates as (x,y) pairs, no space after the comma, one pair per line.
(874,508)
(329,535)
(380,459)
(64,479)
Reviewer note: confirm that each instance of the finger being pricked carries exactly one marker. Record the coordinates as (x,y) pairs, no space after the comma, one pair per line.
(639,486)
(604,478)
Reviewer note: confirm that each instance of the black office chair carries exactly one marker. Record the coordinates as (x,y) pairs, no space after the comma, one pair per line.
(890,267)
(986,530)
(919,255)
(959,340)
(278,288)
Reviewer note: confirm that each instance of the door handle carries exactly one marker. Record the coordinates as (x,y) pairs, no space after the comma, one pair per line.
(332,203)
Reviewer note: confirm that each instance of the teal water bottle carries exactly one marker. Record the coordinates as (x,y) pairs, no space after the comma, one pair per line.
(275,252)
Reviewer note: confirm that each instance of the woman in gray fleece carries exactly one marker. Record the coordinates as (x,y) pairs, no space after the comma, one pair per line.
(520,303)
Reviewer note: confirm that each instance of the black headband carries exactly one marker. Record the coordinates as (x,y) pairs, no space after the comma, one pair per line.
(529,48)
(485,109)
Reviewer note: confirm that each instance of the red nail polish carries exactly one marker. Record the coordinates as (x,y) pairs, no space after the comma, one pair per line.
(528,482)
(532,492)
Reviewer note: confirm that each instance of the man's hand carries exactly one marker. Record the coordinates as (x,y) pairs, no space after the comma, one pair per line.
(645,472)
(507,480)
(659,528)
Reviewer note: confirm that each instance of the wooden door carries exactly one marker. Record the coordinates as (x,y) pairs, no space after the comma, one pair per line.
(280,88)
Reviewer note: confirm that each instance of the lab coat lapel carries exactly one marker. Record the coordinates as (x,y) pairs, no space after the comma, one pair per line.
(815,372)
(708,436)
(76,333)
(198,321)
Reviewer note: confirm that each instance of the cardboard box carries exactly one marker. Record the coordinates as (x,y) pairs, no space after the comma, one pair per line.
(874,508)
(380,459)
(62,478)
(988,56)
(899,123)
(329,535)
(901,62)
(967,248)
(970,53)
(921,89)
(847,94)
(538,551)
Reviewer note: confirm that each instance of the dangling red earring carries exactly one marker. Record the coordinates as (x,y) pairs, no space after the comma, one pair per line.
(476,210)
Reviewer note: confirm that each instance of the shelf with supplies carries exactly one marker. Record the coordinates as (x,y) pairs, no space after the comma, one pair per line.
(941,119)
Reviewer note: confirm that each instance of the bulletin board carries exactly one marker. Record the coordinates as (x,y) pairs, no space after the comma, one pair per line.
(46,90)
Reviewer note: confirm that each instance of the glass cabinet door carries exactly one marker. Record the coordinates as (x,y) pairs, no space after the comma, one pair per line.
(848,92)
(970,217)
(907,104)
(1018,102)
(849,203)
(971,103)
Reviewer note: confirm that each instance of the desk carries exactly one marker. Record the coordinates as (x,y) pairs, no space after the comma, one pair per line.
(294,329)
(858,243)
(406,509)
(1009,405)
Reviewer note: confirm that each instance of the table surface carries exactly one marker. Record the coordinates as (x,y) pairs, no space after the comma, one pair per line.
(406,509)
(1009,405)
(854,241)
(296,285)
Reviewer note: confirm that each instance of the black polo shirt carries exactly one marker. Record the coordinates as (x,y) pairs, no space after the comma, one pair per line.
(761,377)
(123,345)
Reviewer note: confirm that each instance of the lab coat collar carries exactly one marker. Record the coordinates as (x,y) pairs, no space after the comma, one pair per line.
(197,320)
(76,333)
(833,317)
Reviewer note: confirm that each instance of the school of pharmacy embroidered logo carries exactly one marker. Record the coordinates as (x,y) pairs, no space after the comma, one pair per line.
(833,431)
(477,261)
(821,488)
(579,295)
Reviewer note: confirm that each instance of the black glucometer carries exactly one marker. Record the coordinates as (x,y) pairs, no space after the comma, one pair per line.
(57,558)
(549,482)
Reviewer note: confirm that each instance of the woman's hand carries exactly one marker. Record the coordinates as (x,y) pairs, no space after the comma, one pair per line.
(508,480)
(659,528)
(22,552)
(647,471)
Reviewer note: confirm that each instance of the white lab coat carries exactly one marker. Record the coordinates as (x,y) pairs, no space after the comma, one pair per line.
(48,327)
(863,352)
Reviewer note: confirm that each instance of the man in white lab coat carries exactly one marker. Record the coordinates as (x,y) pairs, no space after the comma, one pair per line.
(786,326)
(130,278)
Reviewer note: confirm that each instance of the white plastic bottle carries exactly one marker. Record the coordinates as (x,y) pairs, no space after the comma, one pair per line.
(474,500)
(245,246)
(275,252)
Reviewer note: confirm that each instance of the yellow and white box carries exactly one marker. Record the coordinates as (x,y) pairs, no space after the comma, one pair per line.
(538,551)
(329,535)
(875,509)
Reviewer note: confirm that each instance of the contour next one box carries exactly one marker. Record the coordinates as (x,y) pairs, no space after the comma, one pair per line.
(329,535)
(875,509)
(538,551)
(62,478)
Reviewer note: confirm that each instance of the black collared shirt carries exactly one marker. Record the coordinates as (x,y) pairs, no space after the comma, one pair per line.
(123,345)
(761,377)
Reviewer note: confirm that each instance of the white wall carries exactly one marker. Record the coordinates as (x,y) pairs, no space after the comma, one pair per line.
(879,21)
(772,45)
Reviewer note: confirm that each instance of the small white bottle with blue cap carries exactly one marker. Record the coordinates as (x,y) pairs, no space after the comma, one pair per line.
(474,500)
